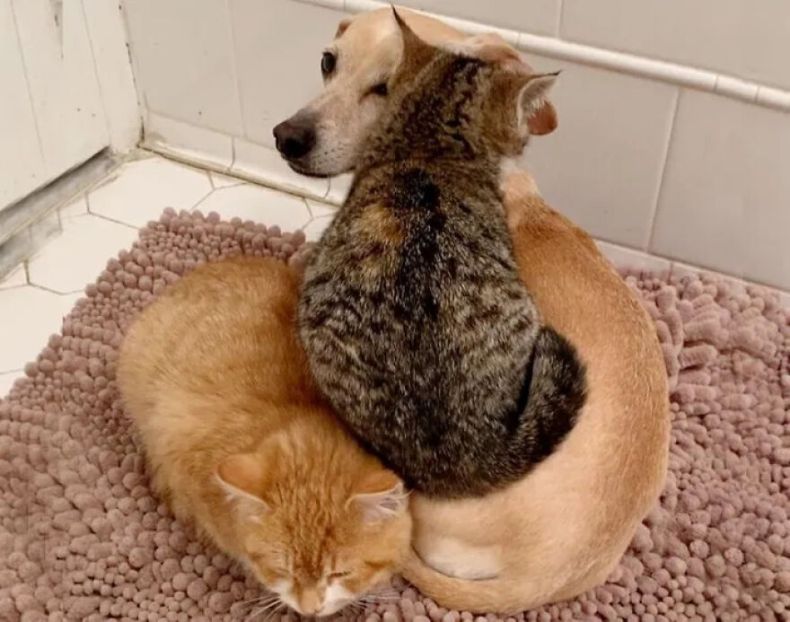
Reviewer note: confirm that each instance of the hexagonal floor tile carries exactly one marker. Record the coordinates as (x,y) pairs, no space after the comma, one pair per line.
(28,316)
(139,191)
(69,262)
(258,204)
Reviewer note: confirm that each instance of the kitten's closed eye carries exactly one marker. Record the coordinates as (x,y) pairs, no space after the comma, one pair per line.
(335,576)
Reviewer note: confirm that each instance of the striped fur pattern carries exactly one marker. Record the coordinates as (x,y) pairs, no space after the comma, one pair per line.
(416,324)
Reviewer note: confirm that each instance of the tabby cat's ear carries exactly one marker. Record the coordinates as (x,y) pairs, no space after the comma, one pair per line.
(243,476)
(532,97)
(380,496)
(416,52)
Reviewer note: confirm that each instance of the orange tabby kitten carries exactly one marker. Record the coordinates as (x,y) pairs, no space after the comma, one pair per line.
(239,442)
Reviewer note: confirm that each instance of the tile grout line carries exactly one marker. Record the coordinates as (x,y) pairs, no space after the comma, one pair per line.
(560,10)
(107,218)
(116,222)
(309,210)
(102,95)
(27,84)
(202,199)
(665,162)
(49,290)
(234,66)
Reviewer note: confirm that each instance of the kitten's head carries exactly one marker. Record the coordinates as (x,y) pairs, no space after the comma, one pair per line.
(471,99)
(321,522)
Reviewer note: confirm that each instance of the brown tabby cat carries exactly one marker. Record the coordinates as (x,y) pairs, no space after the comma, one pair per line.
(415,321)
(239,442)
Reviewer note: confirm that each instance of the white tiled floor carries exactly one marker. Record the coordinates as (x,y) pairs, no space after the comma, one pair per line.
(36,296)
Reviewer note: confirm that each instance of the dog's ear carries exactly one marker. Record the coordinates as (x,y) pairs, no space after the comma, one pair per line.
(491,47)
(535,113)
(416,52)
(341,27)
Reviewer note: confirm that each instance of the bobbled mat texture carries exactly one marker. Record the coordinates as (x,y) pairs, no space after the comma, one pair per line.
(82,537)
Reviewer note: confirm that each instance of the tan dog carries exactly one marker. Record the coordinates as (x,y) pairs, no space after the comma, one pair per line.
(563,528)
(323,138)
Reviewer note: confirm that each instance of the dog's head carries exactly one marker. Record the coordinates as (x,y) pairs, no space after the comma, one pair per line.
(324,138)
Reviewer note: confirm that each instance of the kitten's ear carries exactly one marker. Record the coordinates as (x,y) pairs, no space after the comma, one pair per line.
(416,52)
(532,103)
(544,120)
(243,476)
(380,496)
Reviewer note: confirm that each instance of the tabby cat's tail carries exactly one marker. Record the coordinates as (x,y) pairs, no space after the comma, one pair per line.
(555,391)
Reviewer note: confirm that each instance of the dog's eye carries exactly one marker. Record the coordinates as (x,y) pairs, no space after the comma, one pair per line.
(379,89)
(328,62)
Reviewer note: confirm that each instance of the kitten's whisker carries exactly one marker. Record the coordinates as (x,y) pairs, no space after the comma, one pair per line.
(278,609)
(271,606)
(260,601)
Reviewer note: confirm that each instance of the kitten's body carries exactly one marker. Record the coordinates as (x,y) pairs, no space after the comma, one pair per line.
(415,321)
(239,442)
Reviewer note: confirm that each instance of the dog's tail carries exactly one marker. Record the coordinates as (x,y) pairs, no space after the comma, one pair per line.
(554,392)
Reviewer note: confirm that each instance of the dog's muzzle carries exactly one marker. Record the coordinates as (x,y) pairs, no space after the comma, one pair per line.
(295,137)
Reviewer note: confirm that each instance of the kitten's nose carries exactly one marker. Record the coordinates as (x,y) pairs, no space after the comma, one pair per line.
(295,137)
(310,602)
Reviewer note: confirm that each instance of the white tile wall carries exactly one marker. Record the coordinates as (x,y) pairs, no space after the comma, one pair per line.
(536,16)
(114,72)
(234,68)
(725,201)
(278,45)
(68,90)
(747,39)
(23,165)
(602,166)
(62,83)
(186,141)
(183,58)
(624,257)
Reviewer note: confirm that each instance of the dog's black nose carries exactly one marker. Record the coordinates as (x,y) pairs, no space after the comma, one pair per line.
(295,137)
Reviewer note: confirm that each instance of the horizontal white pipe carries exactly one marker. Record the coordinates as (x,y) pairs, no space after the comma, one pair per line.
(682,75)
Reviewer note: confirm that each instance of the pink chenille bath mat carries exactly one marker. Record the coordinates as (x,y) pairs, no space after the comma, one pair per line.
(82,538)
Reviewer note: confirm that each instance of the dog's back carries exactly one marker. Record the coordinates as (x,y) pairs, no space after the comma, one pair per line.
(583,504)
